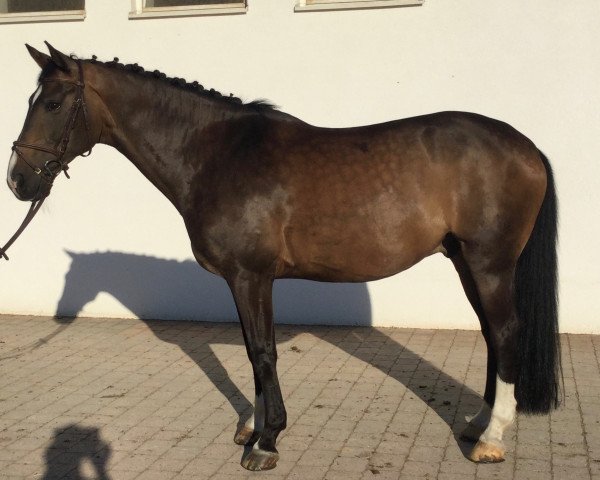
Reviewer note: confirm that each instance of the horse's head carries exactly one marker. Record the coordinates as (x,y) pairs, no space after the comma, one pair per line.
(56,130)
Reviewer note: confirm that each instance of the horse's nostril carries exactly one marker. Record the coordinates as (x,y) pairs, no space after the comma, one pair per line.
(15,181)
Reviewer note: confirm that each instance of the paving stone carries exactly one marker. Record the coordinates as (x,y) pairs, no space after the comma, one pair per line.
(570,473)
(161,399)
(418,469)
(454,476)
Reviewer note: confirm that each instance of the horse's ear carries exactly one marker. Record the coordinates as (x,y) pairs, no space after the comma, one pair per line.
(61,60)
(40,58)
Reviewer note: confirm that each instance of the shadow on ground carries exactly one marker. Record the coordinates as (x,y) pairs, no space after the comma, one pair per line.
(77,453)
(147,285)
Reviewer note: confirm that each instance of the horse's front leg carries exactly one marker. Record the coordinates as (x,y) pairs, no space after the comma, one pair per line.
(253,298)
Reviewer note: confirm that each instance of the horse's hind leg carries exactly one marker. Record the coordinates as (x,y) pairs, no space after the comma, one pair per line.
(479,422)
(494,279)
(253,299)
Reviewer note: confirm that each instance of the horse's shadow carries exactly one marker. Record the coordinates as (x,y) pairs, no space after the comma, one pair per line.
(168,289)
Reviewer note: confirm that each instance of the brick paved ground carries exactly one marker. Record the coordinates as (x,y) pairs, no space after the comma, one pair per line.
(161,400)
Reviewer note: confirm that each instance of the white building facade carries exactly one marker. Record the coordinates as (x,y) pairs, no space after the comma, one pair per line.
(108,244)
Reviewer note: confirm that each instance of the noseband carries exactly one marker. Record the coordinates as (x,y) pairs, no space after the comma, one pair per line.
(53,167)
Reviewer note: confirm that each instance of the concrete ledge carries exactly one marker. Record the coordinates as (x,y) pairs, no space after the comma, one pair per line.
(30,17)
(328,6)
(187,11)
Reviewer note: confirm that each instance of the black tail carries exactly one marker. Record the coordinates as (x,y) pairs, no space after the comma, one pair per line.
(537,387)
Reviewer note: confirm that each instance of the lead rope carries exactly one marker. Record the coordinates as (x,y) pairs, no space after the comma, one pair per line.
(33,209)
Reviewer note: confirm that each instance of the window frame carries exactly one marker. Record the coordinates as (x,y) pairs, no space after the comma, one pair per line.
(328,5)
(139,11)
(44,16)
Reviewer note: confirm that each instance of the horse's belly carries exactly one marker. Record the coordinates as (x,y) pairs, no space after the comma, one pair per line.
(357,248)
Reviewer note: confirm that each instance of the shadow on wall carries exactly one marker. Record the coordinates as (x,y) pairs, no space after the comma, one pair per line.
(156,288)
(171,290)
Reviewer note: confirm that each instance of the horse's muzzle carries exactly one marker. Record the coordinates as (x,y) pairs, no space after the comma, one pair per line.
(25,190)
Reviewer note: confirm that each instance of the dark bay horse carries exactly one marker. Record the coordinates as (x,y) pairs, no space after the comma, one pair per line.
(264,196)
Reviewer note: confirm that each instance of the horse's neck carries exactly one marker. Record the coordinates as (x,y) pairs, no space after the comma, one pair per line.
(160,129)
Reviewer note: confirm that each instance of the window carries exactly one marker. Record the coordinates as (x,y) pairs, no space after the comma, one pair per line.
(17,11)
(313,5)
(184,8)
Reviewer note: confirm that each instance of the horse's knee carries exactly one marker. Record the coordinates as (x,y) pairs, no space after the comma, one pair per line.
(264,365)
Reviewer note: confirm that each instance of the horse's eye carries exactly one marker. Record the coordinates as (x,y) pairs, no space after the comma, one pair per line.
(52,106)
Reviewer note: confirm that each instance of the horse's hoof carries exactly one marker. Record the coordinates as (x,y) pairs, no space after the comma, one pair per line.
(259,459)
(243,435)
(486,453)
(471,433)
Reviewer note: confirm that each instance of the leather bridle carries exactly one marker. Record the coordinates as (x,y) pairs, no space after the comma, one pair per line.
(53,167)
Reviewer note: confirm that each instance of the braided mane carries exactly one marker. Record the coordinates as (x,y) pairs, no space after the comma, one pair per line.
(256,105)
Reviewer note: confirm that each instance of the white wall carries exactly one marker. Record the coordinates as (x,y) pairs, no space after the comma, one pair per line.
(534,64)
